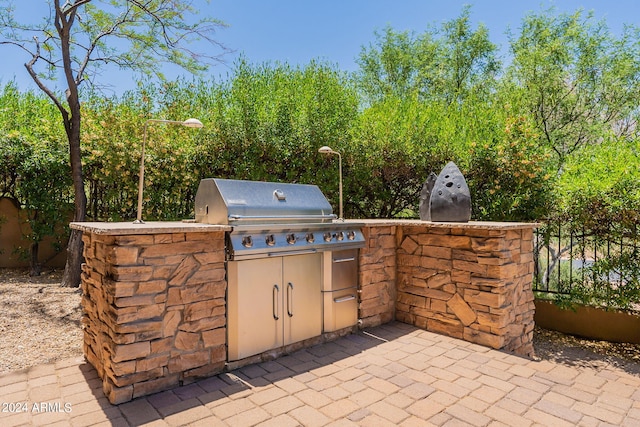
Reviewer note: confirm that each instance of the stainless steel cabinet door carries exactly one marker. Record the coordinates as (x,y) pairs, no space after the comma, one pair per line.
(302,282)
(254,307)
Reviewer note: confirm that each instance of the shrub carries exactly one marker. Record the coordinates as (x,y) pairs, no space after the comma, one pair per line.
(599,194)
(509,176)
(36,175)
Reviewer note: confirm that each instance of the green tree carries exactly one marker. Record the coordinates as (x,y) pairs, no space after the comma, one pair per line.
(389,67)
(465,63)
(427,98)
(81,39)
(449,63)
(578,81)
(599,190)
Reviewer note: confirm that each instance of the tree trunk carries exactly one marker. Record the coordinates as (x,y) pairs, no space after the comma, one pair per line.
(73,267)
(72,270)
(34,265)
(35,269)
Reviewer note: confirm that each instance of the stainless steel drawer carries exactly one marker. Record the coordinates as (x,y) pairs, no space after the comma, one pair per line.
(340,309)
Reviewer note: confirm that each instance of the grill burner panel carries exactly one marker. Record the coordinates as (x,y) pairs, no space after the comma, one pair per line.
(246,242)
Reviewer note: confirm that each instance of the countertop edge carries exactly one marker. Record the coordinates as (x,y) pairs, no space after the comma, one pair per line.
(151,227)
(155,227)
(487,225)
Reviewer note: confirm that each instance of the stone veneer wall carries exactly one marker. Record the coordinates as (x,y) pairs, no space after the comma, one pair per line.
(154,311)
(468,282)
(377,276)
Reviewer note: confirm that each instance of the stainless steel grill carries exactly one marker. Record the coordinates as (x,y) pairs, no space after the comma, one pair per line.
(284,285)
(271,219)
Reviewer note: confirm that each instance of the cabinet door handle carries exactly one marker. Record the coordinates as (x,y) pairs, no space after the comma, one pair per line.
(276,294)
(290,299)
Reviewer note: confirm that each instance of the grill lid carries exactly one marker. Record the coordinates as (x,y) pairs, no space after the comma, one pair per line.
(230,201)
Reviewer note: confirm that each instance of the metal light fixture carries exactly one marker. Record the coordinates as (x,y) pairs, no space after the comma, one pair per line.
(329,150)
(190,123)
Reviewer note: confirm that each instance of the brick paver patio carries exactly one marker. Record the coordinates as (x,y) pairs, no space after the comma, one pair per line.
(391,375)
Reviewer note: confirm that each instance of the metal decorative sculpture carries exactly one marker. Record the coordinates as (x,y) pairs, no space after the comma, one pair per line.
(449,199)
(425,196)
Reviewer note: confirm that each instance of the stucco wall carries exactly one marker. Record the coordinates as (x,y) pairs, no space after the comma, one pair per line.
(12,227)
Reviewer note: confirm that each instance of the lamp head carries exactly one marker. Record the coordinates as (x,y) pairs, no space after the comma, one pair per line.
(192,123)
(326,150)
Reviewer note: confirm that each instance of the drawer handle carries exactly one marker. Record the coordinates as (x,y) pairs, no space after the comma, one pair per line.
(345,298)
(336,260)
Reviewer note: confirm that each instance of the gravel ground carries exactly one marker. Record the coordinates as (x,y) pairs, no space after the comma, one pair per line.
(575,351)
(40,323)
(39,319)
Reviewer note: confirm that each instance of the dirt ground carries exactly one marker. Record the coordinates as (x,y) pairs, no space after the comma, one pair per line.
(39,319)
(40,322)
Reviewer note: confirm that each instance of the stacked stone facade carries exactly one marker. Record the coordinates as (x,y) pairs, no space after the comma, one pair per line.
(377,276)
(154,309)
(472,283)
(154,297)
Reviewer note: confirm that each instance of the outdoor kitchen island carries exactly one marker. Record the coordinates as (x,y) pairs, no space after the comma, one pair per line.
(155,307)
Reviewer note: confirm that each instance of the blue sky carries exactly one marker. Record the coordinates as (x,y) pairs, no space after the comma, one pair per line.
(297,31)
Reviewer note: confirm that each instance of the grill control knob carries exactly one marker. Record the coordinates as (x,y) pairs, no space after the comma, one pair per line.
(247,241)
(270,240)
(327,237)
(339,235)
(291,239)
(310,238)
(351,235)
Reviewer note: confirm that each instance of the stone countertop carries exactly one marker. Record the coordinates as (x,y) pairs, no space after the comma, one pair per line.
(478,225)
(150,227)
(155,227)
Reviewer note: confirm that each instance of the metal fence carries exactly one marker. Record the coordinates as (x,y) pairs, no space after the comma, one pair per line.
(604,265)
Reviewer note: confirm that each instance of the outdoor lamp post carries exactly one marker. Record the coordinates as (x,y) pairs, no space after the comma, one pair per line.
(329,150)
(190,123)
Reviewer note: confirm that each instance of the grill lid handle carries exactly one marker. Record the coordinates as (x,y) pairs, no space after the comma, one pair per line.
(235,217)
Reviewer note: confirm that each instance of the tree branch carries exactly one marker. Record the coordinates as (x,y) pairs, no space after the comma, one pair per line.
(29,66)
(72,8)
(94,44)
